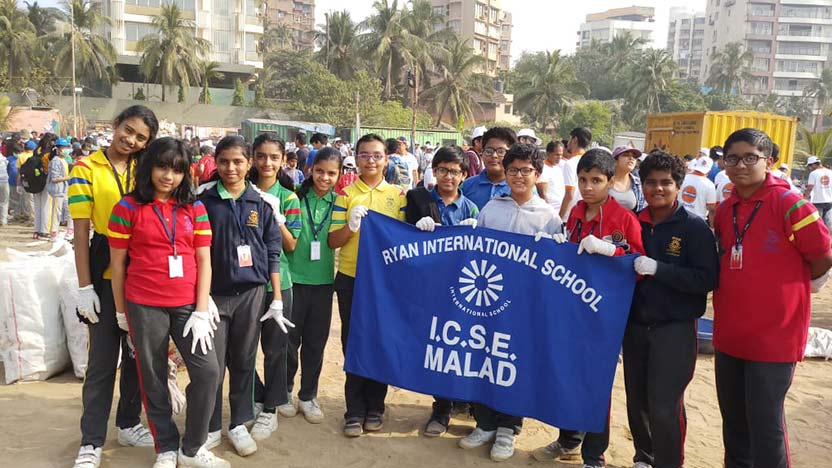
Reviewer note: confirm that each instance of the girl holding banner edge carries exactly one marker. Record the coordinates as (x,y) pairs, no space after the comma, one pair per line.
(364,397)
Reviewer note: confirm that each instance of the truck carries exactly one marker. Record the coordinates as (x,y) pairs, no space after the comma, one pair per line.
(683,133)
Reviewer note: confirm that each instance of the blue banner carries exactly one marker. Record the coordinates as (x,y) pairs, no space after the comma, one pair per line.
(527,328)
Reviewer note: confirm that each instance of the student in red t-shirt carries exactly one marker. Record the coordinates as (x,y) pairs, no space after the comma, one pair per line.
(764,231)
(165,293)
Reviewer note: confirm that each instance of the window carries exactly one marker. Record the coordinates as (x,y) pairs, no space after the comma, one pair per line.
(761,9)
(134,32)
(760,28)
(760,64)
(480,11)
(480,28)
(493,15)
(800,48)
(455,25)
(758,83)
(806,12)
(222,41)
(797,66)
(760,47)
(251,42)
(786,84)
(251,7)
(476,45)
(186,5)
(492,48)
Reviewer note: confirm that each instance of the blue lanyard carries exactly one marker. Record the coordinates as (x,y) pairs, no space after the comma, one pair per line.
(316,229)
(171,233)
(237,213)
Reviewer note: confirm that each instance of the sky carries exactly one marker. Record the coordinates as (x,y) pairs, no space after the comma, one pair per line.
(538,24)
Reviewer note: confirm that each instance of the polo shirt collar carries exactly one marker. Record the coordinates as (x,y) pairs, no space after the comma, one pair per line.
(364,188)
(246,195)
(485,180)
(457,203)
(758,194)
(328,197)
(99,157)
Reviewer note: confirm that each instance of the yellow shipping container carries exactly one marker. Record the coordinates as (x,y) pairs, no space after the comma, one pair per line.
(684,133)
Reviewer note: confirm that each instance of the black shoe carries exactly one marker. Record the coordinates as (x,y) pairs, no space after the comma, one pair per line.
(373,422)
(437,424)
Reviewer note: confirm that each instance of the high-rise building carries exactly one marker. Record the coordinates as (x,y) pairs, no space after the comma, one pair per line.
(790,40)
(233,27)
(685,42)
(602,27)
(298,17)
(485,24)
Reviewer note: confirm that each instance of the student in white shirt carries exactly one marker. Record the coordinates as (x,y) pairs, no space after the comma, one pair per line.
(698,193)
(819,187)
(723,186)
(579,140)
(551,185)
(410,160)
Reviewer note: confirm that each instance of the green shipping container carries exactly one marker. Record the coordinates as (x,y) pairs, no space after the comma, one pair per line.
(284,129)
(441,137)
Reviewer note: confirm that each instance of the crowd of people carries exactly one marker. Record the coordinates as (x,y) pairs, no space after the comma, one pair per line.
(223,248)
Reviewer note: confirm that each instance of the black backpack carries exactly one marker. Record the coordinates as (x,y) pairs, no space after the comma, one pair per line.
(34,178)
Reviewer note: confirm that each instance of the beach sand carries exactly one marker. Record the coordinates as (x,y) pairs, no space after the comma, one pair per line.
(40,420)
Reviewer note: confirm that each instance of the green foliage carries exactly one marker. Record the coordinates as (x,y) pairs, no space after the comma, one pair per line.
(393,114)
(7,112)
(815,144)
(95,55)
(239,98)
(180,95)
(17,38)
(822,91)
(339,48)
(546,86)
(725,102)
(681,97)
(260,95)
(595,115)
(209,71)
(459,84)
(730,69)
(139,94)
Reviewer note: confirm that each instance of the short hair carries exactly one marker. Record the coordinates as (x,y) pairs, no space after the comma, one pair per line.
(582,135)
(291,156)
(552,146)
(500,133)
(300,138)
(662,161)
(206,149)
(597,158)
(391,146)
(775,151)
(450,154)
(368,138)
(524,152)
(319,138)
(714,153)
(753,137)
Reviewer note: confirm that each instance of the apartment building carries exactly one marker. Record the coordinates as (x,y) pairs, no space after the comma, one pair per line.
(685,42)
(603,27)
(790,40)
(485,24)
(298,16)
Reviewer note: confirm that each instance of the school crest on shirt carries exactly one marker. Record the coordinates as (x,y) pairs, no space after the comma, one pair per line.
(674,248)
(253,219)
(391,202)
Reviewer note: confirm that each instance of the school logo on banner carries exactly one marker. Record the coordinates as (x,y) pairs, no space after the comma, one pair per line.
(528,328)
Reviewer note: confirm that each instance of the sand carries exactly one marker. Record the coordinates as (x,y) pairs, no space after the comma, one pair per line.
(39,421)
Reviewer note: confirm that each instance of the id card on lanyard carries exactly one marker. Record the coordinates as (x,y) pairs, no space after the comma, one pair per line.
(244,259)
(736,249)
(175,267)
(315,245)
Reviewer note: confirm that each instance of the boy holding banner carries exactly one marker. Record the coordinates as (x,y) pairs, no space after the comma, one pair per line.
(443,205)
(619,233)
(521,212)
(364,397)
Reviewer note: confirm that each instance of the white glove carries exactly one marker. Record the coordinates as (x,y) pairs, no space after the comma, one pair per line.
(541,235)
(121,318)
(819,282)
(594,245)
(273,202)
(214,311)
(469,222)
(88,304)
(426,224)
(205,186)
(200,324)
(276,312)
(559,238)
(645,266)
(356,214)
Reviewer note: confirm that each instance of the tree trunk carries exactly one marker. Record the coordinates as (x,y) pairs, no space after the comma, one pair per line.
(388,86)
(819,117)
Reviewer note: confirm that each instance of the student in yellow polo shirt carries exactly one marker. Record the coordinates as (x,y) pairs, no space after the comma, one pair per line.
(96,183)
(364,397)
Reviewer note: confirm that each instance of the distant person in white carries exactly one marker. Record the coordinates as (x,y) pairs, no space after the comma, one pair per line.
(550,185)
(579,140)
(723,186)
(782,171)
(698,193)
(410,160)
(526,136)
(819,188)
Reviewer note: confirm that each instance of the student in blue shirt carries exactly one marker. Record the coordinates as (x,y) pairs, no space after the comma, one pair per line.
(491,183)
(444,205)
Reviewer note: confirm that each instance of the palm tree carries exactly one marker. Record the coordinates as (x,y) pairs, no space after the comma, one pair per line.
(386,43)
(649,77)
(546,87)
(814,144)
(821,90)
(174,54)
(622,51)
(209,71)
(428,37)
(17,37)
(460,82)
(338,49)
(7,112)
(730,68)
(43,19)
(95,56)
(276,37)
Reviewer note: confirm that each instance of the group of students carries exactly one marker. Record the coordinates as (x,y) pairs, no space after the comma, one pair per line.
(248,260)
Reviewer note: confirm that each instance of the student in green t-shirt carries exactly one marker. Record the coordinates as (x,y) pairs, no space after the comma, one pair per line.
(275,396)
(313,270)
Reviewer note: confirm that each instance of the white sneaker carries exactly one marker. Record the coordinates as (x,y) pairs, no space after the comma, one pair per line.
(311,411)
(88,457)
(136,436)
(642,465)
(242,441)
(265,424)
(258,408)
(288,410)
(503,447)
(213,440)
(203,459)
(165,460)
(477,438)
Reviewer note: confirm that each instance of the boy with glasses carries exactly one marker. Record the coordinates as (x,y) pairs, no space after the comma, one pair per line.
(764,231)
(491,182)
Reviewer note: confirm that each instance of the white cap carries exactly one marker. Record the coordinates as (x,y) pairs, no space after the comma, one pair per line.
(784,167)
(703,165)
(812,160)
(478,132)
(528,132)
(349,161)
(642,157)
(704,151)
